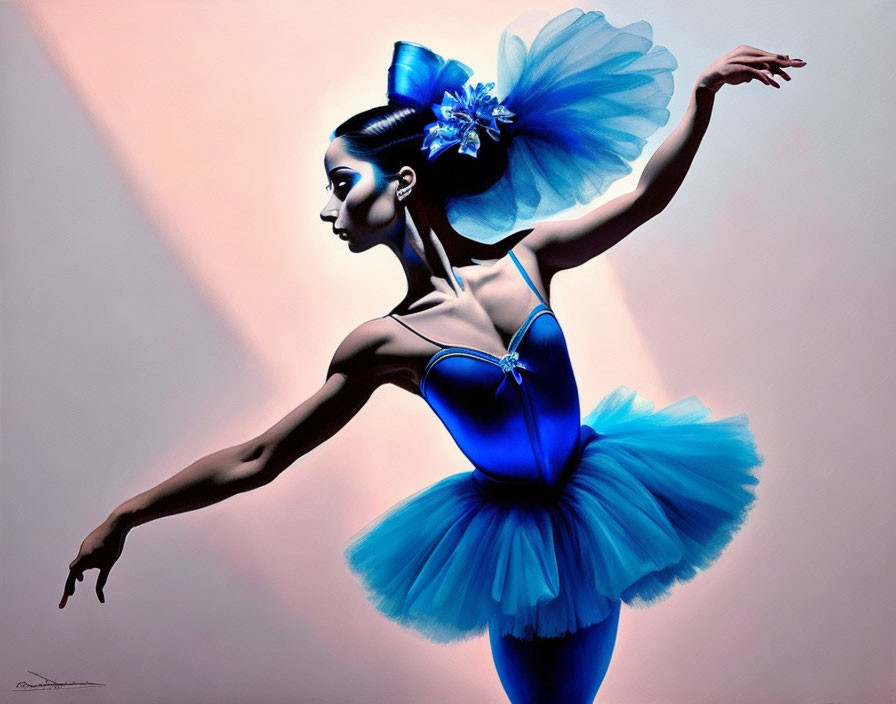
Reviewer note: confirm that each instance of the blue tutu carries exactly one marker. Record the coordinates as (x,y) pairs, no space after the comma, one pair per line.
(653,496)
(588,95)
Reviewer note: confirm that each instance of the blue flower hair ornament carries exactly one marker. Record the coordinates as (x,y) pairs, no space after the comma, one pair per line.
(462,115)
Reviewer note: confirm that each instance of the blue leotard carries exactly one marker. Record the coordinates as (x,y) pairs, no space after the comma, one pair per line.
(558,519)
(516,417)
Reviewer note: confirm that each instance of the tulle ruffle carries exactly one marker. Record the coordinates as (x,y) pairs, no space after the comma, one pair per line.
(655,497)
(588,95)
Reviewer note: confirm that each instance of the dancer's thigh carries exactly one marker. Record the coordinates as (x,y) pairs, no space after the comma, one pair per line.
(566,670)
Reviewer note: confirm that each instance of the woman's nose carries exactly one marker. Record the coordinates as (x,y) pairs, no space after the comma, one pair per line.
(329,214)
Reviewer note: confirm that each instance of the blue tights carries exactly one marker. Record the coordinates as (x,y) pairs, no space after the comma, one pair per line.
(567,670)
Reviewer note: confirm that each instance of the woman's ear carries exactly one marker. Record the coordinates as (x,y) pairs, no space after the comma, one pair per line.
(407,176)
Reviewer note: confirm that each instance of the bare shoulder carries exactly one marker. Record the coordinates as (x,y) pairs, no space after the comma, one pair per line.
(363,352)
(369,354)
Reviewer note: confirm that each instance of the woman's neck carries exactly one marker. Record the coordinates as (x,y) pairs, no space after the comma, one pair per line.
(434,228)
(431,252)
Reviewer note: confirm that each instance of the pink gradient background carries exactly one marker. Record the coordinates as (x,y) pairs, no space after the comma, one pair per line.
(168,289)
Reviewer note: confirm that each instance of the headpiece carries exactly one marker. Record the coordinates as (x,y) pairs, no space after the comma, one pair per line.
(461,116)
(579,104)
(418,77)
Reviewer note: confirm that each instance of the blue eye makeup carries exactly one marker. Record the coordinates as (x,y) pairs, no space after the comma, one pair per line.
(342,179)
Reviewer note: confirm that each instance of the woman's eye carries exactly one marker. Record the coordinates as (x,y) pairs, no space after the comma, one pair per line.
(343,185)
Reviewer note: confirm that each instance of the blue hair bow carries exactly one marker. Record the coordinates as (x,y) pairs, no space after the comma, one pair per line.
(418,77)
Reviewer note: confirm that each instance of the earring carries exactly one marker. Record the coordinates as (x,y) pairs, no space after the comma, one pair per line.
(403,192)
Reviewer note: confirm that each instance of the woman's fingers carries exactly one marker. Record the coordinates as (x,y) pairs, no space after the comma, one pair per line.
(773,67)
(100,583)
(748,63)
(770,60)
(73,575)
(69,588)
(99,551)
(764,76)
(767,77)
(755,51)
(780,71)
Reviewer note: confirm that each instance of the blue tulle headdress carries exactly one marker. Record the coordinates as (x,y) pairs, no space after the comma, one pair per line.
(575,107)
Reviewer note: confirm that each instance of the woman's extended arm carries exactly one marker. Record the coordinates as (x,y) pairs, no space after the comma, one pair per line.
(356,370)
(250,465)
(567,244)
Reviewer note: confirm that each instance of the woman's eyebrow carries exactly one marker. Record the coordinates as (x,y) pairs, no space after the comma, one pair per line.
(337,168)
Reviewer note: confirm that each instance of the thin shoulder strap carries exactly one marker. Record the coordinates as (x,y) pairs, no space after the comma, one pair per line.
(419,334)
(526,277)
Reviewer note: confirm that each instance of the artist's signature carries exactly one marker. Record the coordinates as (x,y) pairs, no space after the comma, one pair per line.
(47,683)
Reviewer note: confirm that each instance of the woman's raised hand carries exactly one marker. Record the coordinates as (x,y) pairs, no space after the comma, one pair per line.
(744,64)
(100,549)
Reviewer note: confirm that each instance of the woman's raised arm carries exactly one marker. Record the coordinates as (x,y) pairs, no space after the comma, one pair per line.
(358,367)
(569,243)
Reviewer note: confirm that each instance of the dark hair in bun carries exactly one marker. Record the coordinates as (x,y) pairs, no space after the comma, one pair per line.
(391,136)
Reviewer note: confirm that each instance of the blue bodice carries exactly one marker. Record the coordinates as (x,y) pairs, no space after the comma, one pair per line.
(516,417)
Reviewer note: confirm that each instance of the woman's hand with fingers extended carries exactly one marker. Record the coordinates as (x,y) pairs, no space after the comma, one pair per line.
(744,64)
(99,550)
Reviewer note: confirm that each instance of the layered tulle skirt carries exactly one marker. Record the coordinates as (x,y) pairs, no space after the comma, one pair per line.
(654,497)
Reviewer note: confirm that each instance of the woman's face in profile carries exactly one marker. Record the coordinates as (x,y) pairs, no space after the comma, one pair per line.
(362,208)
